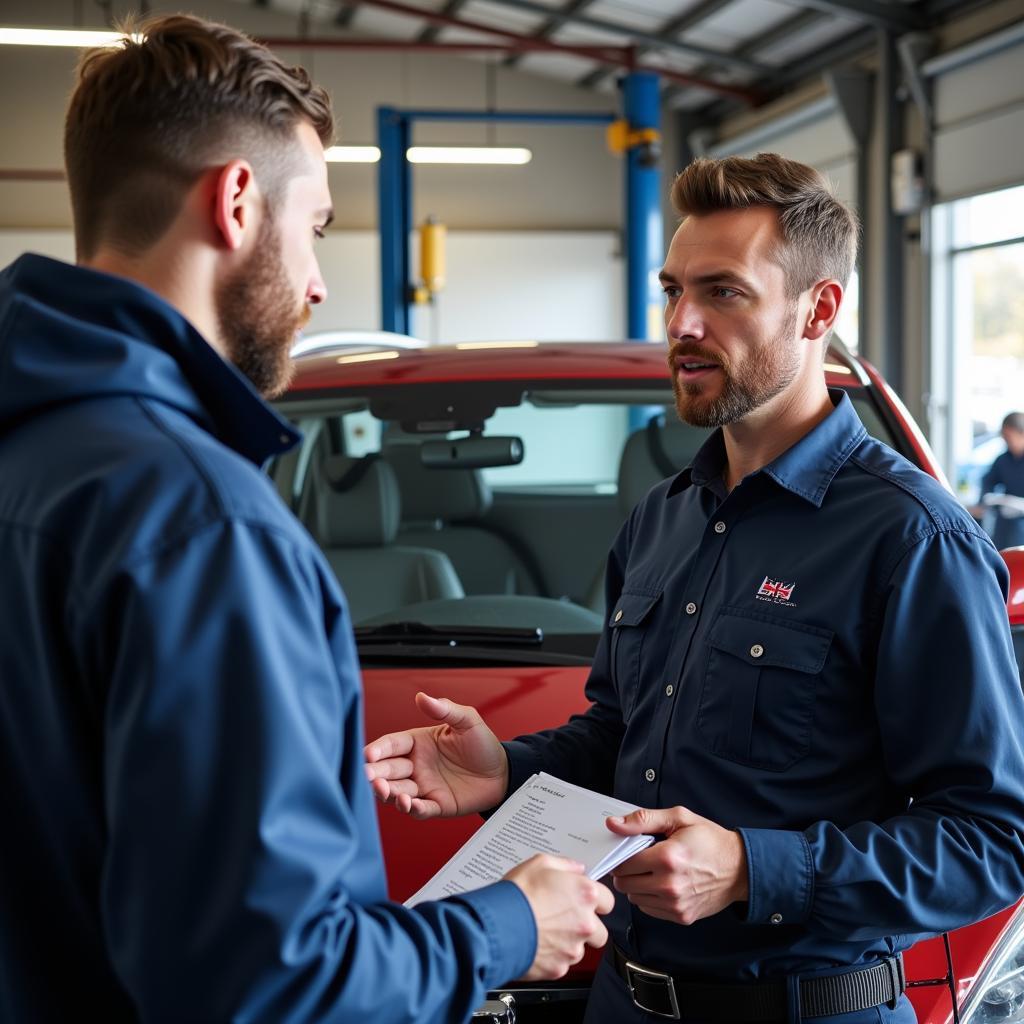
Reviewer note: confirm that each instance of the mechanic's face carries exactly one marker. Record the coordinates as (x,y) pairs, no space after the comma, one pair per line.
(264,306)
(731,325)
(1014,441)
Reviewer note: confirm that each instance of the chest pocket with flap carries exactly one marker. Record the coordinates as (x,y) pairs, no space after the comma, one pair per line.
(758,696)
(630,620)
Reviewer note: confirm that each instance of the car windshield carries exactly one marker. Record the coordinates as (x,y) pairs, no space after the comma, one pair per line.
(477,516)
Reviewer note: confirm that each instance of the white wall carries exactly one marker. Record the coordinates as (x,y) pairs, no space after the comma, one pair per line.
(541,285)
(573,182)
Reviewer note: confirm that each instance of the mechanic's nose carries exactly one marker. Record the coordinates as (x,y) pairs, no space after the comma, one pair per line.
(683,320)
(316,291)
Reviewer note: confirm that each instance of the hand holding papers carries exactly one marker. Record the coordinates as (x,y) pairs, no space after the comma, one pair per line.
(545,815)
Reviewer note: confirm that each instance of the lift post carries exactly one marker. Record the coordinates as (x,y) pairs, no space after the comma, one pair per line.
(644,222)
(643,199)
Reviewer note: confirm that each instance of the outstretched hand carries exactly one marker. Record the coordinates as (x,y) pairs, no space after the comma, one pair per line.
(697,871)
(457,766)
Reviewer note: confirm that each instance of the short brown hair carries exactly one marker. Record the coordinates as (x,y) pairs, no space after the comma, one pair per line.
(179,95)
(819,232)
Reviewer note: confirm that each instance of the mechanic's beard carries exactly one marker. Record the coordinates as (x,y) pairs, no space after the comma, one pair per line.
(257,317)
(767,370)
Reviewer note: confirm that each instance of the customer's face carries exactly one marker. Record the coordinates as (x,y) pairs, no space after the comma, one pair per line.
(264,305)
(731,325)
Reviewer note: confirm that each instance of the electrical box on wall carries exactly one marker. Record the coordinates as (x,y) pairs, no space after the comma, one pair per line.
(907,182)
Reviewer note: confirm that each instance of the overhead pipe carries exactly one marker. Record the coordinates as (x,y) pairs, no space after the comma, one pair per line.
(597,53)
(28,174)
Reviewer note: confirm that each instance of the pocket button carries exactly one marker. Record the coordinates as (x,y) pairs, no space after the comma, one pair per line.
(756,651)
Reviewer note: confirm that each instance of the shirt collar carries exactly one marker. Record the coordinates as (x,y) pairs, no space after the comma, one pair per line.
(806,469)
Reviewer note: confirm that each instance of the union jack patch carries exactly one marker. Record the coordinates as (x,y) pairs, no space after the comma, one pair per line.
(776,588)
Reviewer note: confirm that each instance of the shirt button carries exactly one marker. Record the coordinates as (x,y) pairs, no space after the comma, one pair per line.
(669,690)
(775,919)
(650,775)
(756,651)
(618,615)
(691,609)
(719,527)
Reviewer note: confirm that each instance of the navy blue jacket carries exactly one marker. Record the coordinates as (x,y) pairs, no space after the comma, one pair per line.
(188,834)
(820,659)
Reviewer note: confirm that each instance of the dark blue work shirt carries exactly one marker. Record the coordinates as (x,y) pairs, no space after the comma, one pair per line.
(1006,476)
(820,659)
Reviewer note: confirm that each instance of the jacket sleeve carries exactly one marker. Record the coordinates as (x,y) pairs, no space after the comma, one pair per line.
(243,877)
(584,750)
(949,708)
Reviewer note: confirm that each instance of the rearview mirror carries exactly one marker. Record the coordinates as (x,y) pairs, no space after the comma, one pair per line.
(473,452)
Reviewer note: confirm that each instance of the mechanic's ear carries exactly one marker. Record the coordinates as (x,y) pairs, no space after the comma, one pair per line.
(234,193)
(826,297)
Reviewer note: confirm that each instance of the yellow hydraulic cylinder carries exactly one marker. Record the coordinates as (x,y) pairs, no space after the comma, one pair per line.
(432,241)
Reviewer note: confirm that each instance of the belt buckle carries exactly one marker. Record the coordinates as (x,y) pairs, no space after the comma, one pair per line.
(648,975)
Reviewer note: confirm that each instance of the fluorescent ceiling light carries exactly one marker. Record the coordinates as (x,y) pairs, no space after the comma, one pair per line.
(58,37)
(352,155)
(469,155)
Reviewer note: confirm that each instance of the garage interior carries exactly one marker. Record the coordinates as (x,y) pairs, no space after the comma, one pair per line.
(909,108)
(500,182)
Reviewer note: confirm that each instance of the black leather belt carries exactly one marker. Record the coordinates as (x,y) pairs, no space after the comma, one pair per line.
(668,995)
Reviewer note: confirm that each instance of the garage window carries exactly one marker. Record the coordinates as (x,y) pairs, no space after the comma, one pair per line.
(978,317)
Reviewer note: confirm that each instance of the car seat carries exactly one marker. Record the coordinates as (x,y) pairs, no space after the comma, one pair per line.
(446,509)
(658,450)
(356,511)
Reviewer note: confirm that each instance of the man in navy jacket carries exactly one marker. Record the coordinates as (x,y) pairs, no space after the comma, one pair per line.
(806,678)
(188,834)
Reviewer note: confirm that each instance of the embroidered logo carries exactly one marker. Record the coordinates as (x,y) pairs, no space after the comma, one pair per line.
(776,590)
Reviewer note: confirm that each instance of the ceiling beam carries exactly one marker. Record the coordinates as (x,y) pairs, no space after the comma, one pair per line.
(893,17)
(850,46)
(712,57)
(762,41)
(673,27)
(623,55)
(431,32)
(552,25)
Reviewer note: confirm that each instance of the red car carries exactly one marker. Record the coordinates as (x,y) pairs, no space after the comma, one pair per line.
(466,497)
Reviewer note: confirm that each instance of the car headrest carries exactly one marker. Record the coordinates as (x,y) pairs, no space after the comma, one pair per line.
(357,502)
(430,494)
(656,451)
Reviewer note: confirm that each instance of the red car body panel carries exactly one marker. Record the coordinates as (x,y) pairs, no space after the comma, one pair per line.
(450,364)
(525,699)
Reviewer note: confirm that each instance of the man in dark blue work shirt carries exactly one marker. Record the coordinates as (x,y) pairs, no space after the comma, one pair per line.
(1002,487)
(806,676)
(188,833)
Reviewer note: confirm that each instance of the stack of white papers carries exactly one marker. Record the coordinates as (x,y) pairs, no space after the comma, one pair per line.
(545,815)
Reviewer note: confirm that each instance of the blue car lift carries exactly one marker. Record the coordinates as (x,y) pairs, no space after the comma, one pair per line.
(644,239)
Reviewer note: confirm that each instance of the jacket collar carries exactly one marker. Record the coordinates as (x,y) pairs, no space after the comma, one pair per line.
(70,332)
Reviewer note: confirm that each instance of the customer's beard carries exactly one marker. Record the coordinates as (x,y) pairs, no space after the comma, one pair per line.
(257,315)
(767,370)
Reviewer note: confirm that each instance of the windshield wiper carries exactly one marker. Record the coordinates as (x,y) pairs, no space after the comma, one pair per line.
(449,636)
